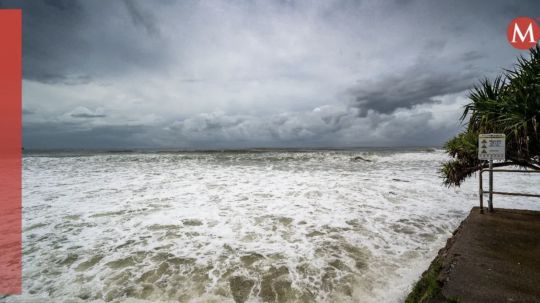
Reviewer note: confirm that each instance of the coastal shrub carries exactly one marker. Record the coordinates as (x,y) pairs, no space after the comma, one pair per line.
(509,104)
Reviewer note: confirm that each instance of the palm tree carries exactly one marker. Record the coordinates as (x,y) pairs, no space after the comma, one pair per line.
(509,104)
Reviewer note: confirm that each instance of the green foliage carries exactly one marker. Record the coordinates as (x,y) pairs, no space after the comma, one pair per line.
(509,104)
(428,286)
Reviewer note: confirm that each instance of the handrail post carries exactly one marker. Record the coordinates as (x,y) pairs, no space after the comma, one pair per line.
(491,192)
(490,201)
(481,192)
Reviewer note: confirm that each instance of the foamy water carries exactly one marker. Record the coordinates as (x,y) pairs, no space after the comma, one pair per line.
(269,226)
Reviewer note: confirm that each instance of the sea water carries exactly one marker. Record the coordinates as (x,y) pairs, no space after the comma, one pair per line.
(244,226)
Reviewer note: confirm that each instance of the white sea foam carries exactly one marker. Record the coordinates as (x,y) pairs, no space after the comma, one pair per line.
(292,226)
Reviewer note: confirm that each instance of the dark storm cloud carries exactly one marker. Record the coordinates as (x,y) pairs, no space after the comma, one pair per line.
(68,135)
(141,17)
(46,28)
(61,79)
(472,56)
(436,74)
(61,4)
(405,90)
(73,42)
(227,127)
(222,73)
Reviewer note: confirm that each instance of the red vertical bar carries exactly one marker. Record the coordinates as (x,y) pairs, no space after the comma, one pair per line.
(10,151)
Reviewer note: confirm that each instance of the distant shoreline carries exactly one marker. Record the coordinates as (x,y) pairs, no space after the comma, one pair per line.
(232,150)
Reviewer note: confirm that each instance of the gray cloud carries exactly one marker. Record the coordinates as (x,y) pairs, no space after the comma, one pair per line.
(83,112)
(472,56)
(417,85)
(66,135)
(141,17)
(88,115)
(63,79)
(326,126)
(73,41)
(245,73)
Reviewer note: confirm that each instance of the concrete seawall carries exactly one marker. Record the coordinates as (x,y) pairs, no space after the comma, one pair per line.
(493,257)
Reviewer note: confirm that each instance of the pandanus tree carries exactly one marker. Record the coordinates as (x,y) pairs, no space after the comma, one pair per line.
(508,104)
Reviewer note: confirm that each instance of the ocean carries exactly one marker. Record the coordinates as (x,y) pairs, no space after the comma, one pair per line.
(239,226)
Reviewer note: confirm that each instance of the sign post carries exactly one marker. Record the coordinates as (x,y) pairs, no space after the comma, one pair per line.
(491,147)
(490,199)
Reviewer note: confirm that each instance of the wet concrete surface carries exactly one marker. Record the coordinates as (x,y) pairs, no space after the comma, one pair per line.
(493,257)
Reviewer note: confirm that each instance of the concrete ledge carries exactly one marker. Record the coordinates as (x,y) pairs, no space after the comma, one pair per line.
(493,257)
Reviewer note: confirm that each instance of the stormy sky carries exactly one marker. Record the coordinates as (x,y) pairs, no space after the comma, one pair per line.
(237,74)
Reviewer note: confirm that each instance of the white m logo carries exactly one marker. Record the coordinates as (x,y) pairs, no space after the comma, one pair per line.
(529,32)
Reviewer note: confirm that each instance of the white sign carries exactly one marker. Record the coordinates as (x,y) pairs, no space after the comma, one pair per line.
(491,146)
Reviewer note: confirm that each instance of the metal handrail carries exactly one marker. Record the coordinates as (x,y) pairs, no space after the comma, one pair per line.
(491,192)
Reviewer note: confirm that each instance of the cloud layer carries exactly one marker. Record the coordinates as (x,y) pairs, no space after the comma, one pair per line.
(218,74)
